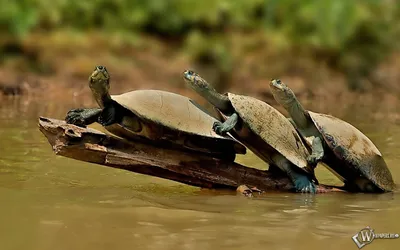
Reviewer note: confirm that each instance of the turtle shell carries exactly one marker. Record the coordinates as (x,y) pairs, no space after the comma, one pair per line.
(351,146)
(173,117)
(272,127)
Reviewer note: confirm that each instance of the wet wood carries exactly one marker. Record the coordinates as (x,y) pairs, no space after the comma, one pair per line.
(90,145)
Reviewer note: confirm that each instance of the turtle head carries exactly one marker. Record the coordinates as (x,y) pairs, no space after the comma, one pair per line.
(282,93)
(99,80)
(99,83)
(206,90)
(195,81)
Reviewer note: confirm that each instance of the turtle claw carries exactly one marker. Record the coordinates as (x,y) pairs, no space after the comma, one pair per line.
(308,189)
(304,185)
(218,128)
(313,160)
(75,117)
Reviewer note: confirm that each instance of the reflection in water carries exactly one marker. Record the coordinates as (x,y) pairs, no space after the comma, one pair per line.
(51,202)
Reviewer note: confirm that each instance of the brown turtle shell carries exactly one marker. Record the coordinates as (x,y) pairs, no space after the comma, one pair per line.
(272,128)
(351,146)
(172,118)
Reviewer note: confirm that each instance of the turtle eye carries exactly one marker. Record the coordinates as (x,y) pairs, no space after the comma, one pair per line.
(189,74)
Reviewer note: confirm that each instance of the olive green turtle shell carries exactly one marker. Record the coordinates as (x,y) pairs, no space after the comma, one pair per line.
(272,127)
(169,113)
(351,146)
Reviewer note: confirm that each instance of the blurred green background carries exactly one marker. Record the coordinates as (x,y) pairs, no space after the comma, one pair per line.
(260,38)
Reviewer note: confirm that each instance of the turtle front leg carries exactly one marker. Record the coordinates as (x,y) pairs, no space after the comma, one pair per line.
(317,152)
(222,128)
(82,116)
(109,116)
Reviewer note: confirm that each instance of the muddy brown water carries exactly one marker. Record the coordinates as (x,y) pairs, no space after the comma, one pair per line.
(52,202)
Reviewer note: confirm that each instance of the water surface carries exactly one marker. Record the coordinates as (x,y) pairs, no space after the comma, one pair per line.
(52,202)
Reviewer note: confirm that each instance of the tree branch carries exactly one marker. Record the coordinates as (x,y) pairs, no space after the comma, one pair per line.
(196,169)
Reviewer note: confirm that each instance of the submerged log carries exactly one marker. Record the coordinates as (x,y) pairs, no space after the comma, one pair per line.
(90,145)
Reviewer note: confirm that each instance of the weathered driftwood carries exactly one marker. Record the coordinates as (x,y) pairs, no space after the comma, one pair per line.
(199,170)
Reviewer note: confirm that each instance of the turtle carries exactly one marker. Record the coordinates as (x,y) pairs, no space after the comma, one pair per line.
(344,149)
(262,129)
(154,116)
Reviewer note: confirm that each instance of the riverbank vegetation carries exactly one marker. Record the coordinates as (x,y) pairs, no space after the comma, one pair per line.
(234,40)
